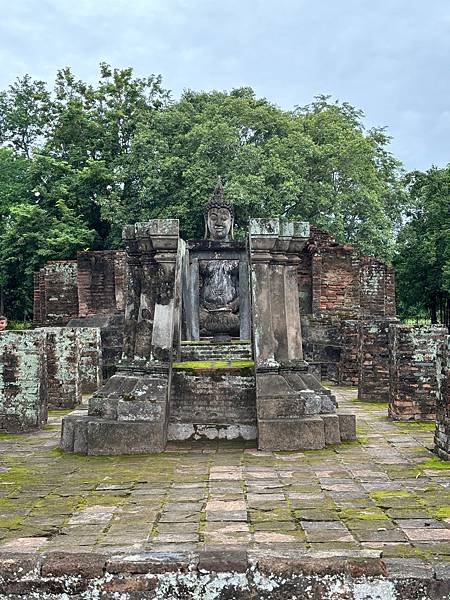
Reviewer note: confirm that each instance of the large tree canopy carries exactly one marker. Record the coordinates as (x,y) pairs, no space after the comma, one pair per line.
(316,163)
(423,248)
(79,161)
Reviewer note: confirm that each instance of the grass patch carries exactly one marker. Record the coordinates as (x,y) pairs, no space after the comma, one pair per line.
(372,405)
(415,425)
(435,463)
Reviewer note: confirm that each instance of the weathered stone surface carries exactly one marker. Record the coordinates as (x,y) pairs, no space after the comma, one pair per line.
(223,561)
(64,564)
(55,293)
(347,426)
(90,359)
(417,356)
(23,380)
(374,360)
(150,562)
(122,437)
(291,434)
(331,425)
(63,375)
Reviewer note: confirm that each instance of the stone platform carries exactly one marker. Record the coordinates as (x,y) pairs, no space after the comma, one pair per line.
(377,506)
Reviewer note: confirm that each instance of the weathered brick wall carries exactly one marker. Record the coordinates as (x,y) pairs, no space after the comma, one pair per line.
(63,377)
(349,358)
(322,344)
(23,380)
(377,288)
(416,370)
(214,396)
(101,281)
(442,432)
(373,360)
(89,358)
(336,285)
(55,293)
(93,284)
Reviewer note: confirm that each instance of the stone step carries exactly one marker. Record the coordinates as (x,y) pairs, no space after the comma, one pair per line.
(210,351)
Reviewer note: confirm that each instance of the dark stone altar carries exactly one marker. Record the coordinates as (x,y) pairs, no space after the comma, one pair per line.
(212,344)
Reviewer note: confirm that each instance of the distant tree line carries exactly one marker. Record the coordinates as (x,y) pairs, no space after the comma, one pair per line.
(79,161)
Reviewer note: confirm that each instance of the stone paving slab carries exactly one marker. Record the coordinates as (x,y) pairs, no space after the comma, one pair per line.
(385,493)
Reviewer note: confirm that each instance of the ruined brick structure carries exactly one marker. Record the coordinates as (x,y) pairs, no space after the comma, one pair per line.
(373,360)
(101,280)
(87,292)
(418,356)
(23,381)
(45,368)
(202,292)
(442,433)
(338,287)
(90,285)
(55,293)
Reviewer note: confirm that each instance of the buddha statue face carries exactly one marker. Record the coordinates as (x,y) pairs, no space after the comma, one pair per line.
(219,222)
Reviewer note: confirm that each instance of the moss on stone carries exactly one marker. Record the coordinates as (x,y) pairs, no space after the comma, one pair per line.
(435,463)
(416,425)
(213,364)
(363,514)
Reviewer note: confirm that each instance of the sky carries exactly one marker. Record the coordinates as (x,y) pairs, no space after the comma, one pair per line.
(389,58)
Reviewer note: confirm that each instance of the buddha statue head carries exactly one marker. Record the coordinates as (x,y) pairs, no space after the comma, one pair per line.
(219,216)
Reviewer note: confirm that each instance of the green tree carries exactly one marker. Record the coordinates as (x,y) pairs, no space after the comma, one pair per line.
(316,163)
(25,113)
(28,239)
(423,248)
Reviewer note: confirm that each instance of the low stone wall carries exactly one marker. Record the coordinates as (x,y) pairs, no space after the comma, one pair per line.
(63,355)
(402,365)
(442,433)
(45,368)
(417,355)
(373,359)
(220,574)
(23,380)
(89,359)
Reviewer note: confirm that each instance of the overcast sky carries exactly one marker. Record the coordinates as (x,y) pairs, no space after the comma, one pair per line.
(390,58)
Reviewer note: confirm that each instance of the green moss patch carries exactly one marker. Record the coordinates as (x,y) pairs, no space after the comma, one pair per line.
(415,425)
(435,463)
(213,364)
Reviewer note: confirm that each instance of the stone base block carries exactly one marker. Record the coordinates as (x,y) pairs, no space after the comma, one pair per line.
(89,435)
(291,434)
(212,431)
(103,407)
(347,427)
(331,429)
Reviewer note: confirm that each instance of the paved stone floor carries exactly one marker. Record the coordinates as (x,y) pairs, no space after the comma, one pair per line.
(385,492)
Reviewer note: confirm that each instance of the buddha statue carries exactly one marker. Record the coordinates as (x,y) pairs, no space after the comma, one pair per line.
(219,279)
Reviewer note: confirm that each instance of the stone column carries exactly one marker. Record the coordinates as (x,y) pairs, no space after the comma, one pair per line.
(300,235)
(145,322)
(279,305)
(165,240)
(263,237)
(133,291)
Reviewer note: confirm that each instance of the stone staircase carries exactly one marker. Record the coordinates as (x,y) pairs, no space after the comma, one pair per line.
(213,392)
(210,351)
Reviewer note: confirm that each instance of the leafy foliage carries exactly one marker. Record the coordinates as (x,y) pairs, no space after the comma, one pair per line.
(80,161)
(423,248)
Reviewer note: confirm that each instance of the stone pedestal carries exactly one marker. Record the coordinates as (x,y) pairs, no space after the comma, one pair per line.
(294,411)
(130,413)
